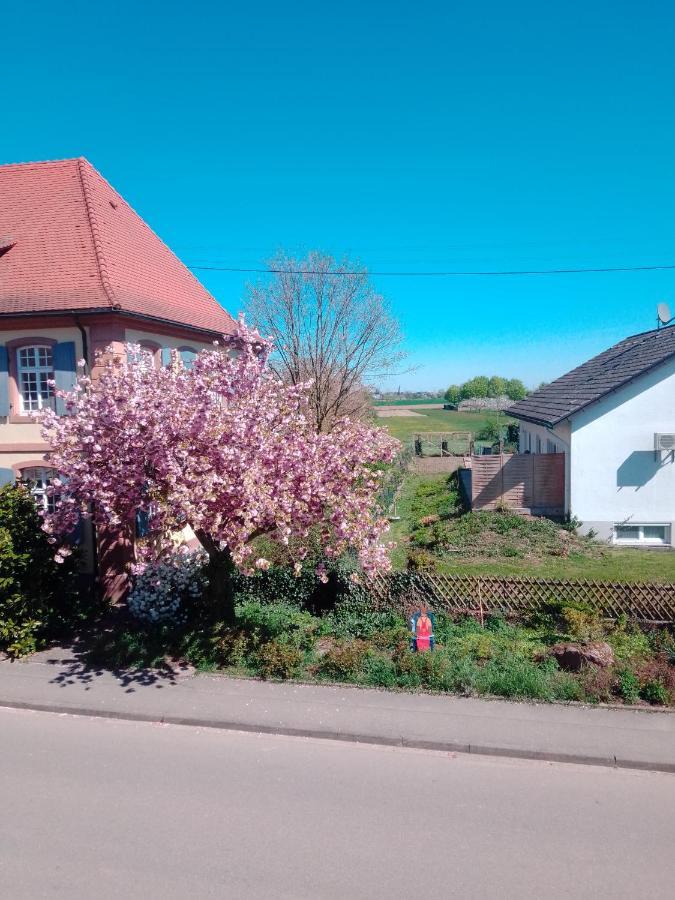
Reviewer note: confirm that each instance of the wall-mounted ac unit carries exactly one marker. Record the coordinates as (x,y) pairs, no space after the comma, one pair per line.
(664,442)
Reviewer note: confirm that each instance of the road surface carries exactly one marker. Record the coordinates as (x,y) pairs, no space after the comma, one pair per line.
(96,808)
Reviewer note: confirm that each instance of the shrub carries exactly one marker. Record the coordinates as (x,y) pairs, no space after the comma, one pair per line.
(598,685)
(655,691)
(39,599)
(421,560)
(345,661)
(657,680)
(628,643)
(629,686)
(355,616)
(379,670)
(230,647)
(163,590)
(582,624)
(277,660)
(281,622)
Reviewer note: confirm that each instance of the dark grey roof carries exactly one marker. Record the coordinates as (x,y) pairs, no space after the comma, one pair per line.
(596,378)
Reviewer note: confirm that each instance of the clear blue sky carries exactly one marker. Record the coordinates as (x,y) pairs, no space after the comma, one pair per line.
(412,136)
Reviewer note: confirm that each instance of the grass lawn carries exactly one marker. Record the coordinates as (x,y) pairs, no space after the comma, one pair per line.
(404,428)
(487,543)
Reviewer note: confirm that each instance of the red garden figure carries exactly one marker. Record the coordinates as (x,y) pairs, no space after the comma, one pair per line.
(423,631)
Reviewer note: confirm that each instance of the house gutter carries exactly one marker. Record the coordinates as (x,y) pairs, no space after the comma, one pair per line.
(75,313)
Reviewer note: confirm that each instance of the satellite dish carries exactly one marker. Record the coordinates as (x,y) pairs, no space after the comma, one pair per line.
(663,313)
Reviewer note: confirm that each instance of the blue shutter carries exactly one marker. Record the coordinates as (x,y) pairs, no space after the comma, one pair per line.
(63,356)
(4,381)
(166,356)
(75,536)
(188,357)
(142,523)
(6,477)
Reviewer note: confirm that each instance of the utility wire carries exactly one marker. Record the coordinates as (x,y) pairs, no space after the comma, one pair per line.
(446,274)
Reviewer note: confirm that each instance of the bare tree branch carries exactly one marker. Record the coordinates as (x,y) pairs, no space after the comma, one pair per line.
(330,326)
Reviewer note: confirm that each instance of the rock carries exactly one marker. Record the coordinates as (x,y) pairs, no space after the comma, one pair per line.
(571,657)
(599,653)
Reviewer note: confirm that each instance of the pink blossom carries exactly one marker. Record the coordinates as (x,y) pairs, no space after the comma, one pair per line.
(224,447)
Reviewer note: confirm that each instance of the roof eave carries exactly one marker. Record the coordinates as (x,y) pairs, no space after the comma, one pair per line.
(106,310)
(533,419)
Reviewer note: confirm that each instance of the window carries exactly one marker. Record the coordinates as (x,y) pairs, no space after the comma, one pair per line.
(642,534)
(538,444)
(35,369)
(551,447)
(38,480)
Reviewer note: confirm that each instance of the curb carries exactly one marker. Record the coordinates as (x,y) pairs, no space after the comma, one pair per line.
(353,738)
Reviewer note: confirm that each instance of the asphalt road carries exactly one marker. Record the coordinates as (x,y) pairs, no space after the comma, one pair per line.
(94,808)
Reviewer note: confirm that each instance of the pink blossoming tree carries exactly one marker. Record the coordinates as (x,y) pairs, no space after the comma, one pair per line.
(222,446)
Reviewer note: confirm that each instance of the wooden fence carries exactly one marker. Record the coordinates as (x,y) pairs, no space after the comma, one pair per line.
(647,602)
(525,481)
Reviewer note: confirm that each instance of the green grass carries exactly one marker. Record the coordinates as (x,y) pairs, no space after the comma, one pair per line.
(404,427)
(503,544)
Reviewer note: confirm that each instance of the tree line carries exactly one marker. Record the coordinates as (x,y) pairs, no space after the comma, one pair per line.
(486,386)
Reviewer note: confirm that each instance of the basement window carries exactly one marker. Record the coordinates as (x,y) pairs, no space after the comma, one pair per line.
(653,535)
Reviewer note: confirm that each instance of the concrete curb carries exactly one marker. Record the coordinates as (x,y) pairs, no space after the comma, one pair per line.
(354,738)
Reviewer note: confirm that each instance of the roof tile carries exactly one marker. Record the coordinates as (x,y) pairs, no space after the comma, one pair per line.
(596,378)
(79,245)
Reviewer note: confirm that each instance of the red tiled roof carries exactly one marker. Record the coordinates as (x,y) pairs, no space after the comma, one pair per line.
(78,245)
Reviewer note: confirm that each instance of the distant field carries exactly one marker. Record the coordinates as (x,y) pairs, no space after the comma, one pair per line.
(440,420)
(409,402)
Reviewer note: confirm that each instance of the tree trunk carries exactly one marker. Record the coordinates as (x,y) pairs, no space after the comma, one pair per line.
(219,571)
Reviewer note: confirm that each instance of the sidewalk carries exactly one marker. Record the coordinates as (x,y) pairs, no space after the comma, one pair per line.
(57,681)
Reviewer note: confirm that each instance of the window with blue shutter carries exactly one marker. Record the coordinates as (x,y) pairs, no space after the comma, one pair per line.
(166,356)
(4,381)
(6,477)
(63,356)
(188,357)
(142,523)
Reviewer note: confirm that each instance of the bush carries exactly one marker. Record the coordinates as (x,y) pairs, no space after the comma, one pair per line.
(39,598)
(277,660)
(379,670)
(629,686)
(345,662)
(655,691)
(356,617)
(163,590)
(280,622)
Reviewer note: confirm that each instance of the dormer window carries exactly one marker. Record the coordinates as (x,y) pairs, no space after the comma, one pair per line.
(6,245)
(35,369)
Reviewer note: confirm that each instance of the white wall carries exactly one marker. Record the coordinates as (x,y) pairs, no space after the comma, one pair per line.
(614,474)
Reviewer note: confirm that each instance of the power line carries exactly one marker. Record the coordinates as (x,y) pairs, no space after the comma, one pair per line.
(441,274)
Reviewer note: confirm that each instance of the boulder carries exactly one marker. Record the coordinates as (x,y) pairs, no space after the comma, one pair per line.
(571,657)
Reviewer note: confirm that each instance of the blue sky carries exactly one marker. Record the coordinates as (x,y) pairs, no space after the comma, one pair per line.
(417,136)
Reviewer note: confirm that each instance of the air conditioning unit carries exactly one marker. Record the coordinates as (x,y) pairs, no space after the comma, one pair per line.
(664,442)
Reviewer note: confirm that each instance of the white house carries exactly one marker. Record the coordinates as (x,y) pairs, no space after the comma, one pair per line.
(614,418)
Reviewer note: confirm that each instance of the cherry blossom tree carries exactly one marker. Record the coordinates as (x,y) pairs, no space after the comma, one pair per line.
(224,447)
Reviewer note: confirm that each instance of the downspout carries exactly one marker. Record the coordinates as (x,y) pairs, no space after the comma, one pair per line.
(94,542)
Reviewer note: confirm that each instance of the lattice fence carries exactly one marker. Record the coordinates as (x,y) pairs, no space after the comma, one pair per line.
(647,602)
